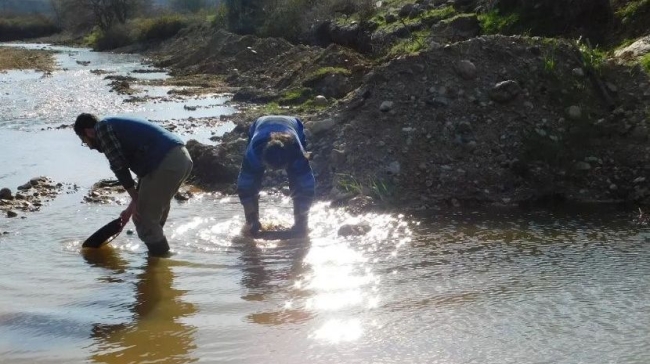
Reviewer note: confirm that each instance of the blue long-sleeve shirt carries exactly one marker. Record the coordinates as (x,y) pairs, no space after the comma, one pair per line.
(301,178)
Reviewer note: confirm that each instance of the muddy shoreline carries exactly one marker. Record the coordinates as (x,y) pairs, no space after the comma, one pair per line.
(23,59)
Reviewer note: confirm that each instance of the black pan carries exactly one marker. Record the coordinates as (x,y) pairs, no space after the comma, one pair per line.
(105,234)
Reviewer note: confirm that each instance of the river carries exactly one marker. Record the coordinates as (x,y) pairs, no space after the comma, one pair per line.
(451,286)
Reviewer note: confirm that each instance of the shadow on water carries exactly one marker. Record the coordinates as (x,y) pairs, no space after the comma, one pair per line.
(271,267)
(156,332)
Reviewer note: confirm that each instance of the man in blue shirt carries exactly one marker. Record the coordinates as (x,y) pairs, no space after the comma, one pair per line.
(276,142)
(159,159)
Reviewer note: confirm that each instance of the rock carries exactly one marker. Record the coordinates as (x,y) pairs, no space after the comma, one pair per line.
(438,102)
(5,194)
(183,196)
(354,229)
(320,126)
(393,167)
(11,213)
(582,166)
(320,100)
(574,112)
(405,10)
(390,18)
(461,27)
(505,91)
(386,106)
(360,204)
(466,69)
(338,158)
(216,164)
(578,72)
(636,49)
(25,186)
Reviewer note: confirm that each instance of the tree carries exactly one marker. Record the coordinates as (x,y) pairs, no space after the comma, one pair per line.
(103,13)
(191,6)
(243,15)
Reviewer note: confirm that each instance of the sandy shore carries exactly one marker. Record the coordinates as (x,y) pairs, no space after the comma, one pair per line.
(21,59)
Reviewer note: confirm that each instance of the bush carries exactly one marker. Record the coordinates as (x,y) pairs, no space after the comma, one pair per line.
(160,28)
(26,27)
(284,20)
(115,37)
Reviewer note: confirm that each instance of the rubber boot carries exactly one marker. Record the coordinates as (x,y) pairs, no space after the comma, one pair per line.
(158,249)
(252,214)
(300,219)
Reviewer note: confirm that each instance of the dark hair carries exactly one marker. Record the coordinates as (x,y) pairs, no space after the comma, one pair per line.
(84,121)
(280,150)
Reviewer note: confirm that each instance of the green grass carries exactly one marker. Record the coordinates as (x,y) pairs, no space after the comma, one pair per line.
(295,96)
(272,108)
(413,45)
(438,14)
(593,58)
(382,190)
(321,72)
(632,9)
(550,62)
(430,16)
(645,62)
(494,23)
(374,187)
(349,184)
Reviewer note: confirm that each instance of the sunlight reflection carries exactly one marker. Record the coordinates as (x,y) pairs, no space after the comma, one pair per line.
(334,301)
(336,331)
(183,228)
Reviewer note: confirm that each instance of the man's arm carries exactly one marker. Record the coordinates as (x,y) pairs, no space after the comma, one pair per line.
(112,148)
(249,182)
(302,184)
(301,133)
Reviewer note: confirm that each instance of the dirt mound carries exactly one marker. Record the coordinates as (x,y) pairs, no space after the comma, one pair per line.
(269,66)
(494,119)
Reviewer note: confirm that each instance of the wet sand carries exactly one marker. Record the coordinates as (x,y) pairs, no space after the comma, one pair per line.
(24,59)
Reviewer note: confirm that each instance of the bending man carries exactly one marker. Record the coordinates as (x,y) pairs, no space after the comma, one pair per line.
(159,159)
(276,142)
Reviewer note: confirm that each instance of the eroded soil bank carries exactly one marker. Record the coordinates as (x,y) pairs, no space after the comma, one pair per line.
(487,120)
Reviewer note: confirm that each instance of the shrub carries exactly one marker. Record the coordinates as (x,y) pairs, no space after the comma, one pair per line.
(284,20)
(160,28)
(26,27)
(115,37)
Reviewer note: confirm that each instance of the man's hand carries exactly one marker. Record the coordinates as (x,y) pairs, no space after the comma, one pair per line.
(130,211)
(252,228)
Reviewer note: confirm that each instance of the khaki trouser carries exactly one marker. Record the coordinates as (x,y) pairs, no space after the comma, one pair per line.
(156,191)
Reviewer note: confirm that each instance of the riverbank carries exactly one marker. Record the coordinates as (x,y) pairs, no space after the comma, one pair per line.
(24,59)
(452,117)
(490,120)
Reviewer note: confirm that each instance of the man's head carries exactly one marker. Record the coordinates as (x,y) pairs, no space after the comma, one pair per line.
(84,127)
(280,150)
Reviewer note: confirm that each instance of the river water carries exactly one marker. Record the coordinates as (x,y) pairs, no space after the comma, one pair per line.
(451,286)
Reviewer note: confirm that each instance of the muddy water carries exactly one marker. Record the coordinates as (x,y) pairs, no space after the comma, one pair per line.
(446,287)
